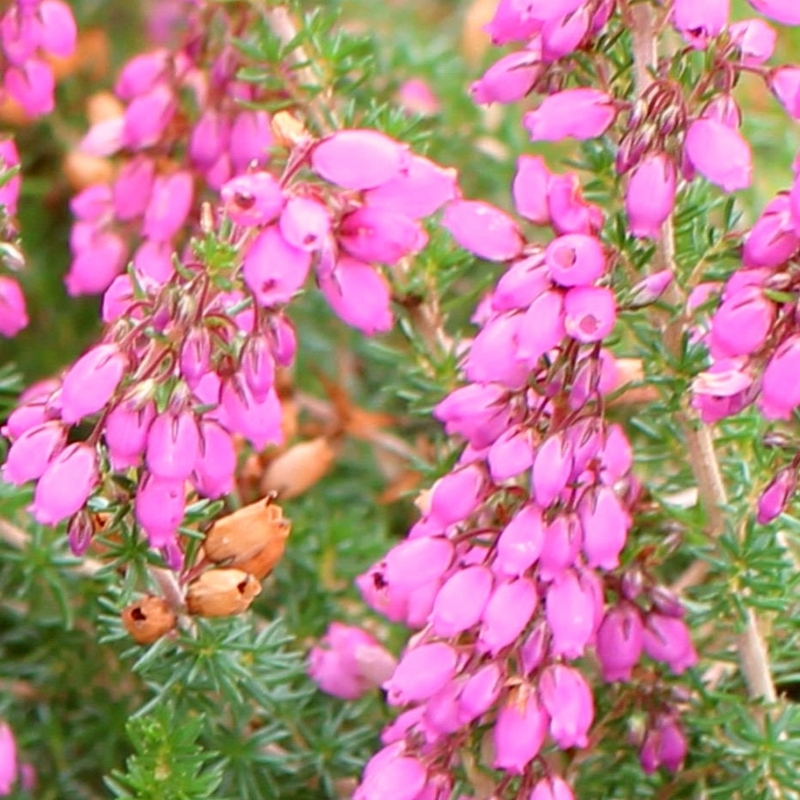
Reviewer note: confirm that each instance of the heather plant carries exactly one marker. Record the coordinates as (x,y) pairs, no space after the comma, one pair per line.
(432,433)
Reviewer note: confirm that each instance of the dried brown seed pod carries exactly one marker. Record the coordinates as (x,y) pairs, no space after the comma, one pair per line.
(221,593)
(148,619)
(238,537)
(297,469)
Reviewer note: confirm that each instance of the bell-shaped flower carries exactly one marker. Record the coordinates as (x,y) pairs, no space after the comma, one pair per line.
(421,672)
(569,212)
(169,206)
(785,85)
(152,262)
(783,11)
(775,497)
(552,788)
(512,22)
(32,85)
(32,452)
(141,73)
(257,366)
(359,295)
(479,693)
(531,182)
(441,714)
(96,263)
(273,269)
(9,764)
(147,117)
(650,195)
(251,138)
(13,312)
(573,113)
(552,469)
(456,495)
(305,223)
(511,454)
(521,284)
(358,159)
(258,422)
(605,526)
(700,20)
(216,464)
(252,199)
(125,430)
(9,191)
(416,562)
(664,745)
(173,445)
(380,235)
(483,229)
(741,324)
(616,457)
(720,154)
(620,640)
(209,138)
(589,313)
(509,79)
(780,393)
(507,614)
(575,259)
(519,731)
(159,508)
(133,188)
(541,328)
(345,662)
(570,611)
(568,700)
(66,484)
(773,240)
(562,35)
(520,542)
(460,602)
(194,356)
(478,412)
(401,778)
(667,639)
(420,189)
(492,357)
(91,382)
(755,40)
(563,537)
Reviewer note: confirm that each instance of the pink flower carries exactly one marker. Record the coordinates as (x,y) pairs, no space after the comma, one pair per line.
(755,40)
(772,241)
(65,485)
(507,614)
(563,537)
(720,154)
(741,324)
(519,731)
(576,113)
(773,500)
(147,117)
(399,778)
(569,212)
(479,693)
(520,542)
(305,223)
(416,562)
(215,467)
(552,788)
(542,327)
(650,196)
(258,421)
(492,357)
(664,744)
(253,199)
(421,188)
(13,313)
(32,452)
(508,79)
(521,284)
(780,392)
(477,412)
(784,11)
(575,259)
(169,206)
(456,495)
(380,235)
(667,639)
(348,662)
(133,188)
(700,20)
(91,381)
(568,700)
(250,139)
(359,295)
(9,192)
(589,313)
(460,602)
(159,508)
(785,85)
(563,34)
(570,612)
(141,74)
(273,269)
(173,445)
(358,159)
(605,526)
(620,642)
(530,189)
(483,230)
(421,672)
(32,85)
(125,430)
(511,454)
(9,765)
(552,468)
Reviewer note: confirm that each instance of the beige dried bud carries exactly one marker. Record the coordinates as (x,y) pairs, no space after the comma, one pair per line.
(242,535)
(221,593)
(103,106)
(148,619)
(263,562)
(288,130)
(297,469)
(83,170)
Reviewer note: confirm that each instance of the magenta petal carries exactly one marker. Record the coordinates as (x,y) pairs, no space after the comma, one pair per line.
(358,159)
(483,230)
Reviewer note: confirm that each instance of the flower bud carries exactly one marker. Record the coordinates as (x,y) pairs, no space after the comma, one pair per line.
(195,355)
(650,289)
(148,619)
(460,602)
(568,700)
(13,313)
(574,113)
(519,731)
(221,593)
(774,498)
(719,153)
(483,229)
(421,672)
(80,531)
(650,196)
(358,159)
(620,642)
(66,484)
(91,381)
(667,639)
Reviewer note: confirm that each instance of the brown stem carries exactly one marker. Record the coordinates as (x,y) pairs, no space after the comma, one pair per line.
(753,654)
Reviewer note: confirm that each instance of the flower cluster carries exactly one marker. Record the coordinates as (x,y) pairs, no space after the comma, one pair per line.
(188,362)
(33,32)
(13,311)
